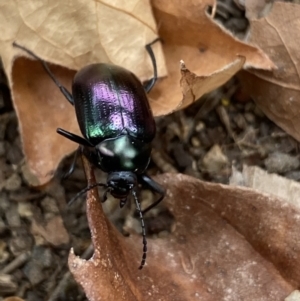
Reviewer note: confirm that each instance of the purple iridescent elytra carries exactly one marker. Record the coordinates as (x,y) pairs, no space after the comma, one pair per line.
(110,101)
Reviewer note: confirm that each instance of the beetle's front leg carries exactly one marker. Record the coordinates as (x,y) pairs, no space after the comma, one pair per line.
(72,167)
(154,186)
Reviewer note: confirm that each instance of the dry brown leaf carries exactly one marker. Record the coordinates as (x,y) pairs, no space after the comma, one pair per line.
(260,180)
(257,8)
(53,231)
(191,35)
(227,243)
(277,92)
(74,34)
(192,85)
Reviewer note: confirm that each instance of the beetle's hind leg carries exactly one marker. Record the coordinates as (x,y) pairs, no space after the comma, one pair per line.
(149,85)
(155,187)
(63,90)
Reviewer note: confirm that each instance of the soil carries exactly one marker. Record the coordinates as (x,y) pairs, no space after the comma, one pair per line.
(224,129)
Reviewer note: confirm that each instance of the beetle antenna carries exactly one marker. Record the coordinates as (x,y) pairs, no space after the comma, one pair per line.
(85,190)
(138,207)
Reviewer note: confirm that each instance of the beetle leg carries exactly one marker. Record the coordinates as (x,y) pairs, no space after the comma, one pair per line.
(73,137)
(152,81)
(154,186)
(63,90)
(105,195)
(72,167)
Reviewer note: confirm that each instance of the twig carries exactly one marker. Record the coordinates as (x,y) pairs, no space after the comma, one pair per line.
(16,263)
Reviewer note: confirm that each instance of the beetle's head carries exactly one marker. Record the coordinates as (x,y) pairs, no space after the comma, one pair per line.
(120,183)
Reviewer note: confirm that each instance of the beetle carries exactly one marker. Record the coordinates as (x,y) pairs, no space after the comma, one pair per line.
(117,125)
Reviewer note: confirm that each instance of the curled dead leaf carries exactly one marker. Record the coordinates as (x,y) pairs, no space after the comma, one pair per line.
(277,92)
(193,86)
(225,243)
(191,35)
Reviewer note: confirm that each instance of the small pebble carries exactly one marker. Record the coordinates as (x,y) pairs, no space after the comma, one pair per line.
(4,202)
(195,142)
(240,121)
(49,205)
(5,168)
(20,242)
(4,255)
(281,163)
(12,129)
(200,126)
(13,183)
(237,24)
(13,153)
(3,227)
(12,216)
(250,118)
(264,128)
(7,284)
(35,269)
(204,139)
(217,135)
(4,119)
(214,160)
(25,209)
(28,176)
(181,156)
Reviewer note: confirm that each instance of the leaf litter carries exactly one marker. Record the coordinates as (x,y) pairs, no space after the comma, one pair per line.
(212,227)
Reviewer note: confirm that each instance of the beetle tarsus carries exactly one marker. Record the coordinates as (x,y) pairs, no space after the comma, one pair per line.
(154,186)
(153,80)
(72,166)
